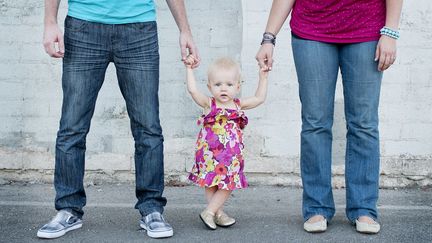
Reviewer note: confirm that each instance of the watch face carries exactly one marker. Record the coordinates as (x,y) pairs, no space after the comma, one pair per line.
(268,36)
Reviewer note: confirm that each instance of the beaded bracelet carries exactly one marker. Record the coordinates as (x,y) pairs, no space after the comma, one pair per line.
(268,38)
(389,32)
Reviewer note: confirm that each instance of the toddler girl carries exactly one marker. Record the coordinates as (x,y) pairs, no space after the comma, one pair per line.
(218,156)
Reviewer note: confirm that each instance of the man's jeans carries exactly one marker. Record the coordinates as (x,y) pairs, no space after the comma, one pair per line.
(89,48)
(317,66)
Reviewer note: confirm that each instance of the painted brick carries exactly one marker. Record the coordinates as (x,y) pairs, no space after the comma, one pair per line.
(30,94)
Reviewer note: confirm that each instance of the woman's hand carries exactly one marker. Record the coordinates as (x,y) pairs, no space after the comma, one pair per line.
(265,56)
(385,52)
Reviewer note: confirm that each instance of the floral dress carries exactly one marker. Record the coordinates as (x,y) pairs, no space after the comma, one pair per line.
(219,149)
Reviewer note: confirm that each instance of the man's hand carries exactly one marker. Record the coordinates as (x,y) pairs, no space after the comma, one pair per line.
(385,52)
(265,56)
(53,41)
(187,45)
(188,48)
(189,61)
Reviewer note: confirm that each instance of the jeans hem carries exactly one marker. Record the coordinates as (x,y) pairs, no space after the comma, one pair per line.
(352,219)
(144,211)
(72,211)
(327,216)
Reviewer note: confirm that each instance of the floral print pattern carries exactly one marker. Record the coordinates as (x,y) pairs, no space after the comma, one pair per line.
(219,149)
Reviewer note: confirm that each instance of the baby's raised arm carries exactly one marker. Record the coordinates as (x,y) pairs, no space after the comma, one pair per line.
(199,98)
(260,94)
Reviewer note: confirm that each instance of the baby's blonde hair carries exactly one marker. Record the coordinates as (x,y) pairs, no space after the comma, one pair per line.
(225,64)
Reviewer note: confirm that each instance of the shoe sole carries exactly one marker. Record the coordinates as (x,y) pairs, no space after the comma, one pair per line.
(226,226)
(208,226)
(57,234)
(152,234)
(315,231)
(368,232)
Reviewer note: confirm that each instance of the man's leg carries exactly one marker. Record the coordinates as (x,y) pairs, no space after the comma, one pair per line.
(317,68)
(136,58)
(362,83)
(84,67)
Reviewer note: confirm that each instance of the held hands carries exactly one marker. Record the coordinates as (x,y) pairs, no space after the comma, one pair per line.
(265,57)
(263,73)
(53,35)
(385,52)
(190,61)
(187,46)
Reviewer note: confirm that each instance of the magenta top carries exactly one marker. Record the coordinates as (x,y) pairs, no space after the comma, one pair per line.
(338,21)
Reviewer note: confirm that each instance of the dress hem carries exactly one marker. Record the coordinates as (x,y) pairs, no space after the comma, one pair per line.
(196,180)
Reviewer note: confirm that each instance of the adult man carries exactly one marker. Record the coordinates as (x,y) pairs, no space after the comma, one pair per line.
(98,32)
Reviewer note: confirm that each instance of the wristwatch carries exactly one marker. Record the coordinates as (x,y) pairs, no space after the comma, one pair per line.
(268,38)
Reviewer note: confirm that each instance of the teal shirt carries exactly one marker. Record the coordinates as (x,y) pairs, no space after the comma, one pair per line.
(113,11)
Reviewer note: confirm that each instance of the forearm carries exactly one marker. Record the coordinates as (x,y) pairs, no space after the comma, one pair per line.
(51,10)
(178,11)
(199,98)
(261,92)
(278,14)
(191,82)
(393,12)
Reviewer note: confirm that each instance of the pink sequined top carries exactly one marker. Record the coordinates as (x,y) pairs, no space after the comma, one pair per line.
(338,21)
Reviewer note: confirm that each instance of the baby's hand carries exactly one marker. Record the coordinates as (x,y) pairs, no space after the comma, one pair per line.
(189,61)
(263,73)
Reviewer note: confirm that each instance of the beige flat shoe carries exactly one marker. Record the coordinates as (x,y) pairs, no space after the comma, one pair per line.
(224,220)
(367,228)
(208,219)
(316,227)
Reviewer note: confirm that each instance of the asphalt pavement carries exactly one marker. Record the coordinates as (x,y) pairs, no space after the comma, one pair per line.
(263,214)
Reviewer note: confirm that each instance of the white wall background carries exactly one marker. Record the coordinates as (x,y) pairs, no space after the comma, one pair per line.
(30,99)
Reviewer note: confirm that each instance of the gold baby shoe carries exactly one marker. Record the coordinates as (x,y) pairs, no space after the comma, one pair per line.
(208,219)
(224,220)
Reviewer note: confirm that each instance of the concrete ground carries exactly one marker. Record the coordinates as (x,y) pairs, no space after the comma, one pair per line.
(264,214)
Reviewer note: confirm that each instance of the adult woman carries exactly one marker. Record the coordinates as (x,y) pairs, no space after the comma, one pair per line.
(359,37)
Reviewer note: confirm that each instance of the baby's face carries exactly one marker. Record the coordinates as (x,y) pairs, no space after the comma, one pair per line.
(224,85)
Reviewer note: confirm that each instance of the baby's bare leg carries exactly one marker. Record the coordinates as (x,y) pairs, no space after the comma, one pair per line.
(209,192)
(218,199)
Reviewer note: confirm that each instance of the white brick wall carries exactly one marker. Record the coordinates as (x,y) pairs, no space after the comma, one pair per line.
(30,97)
